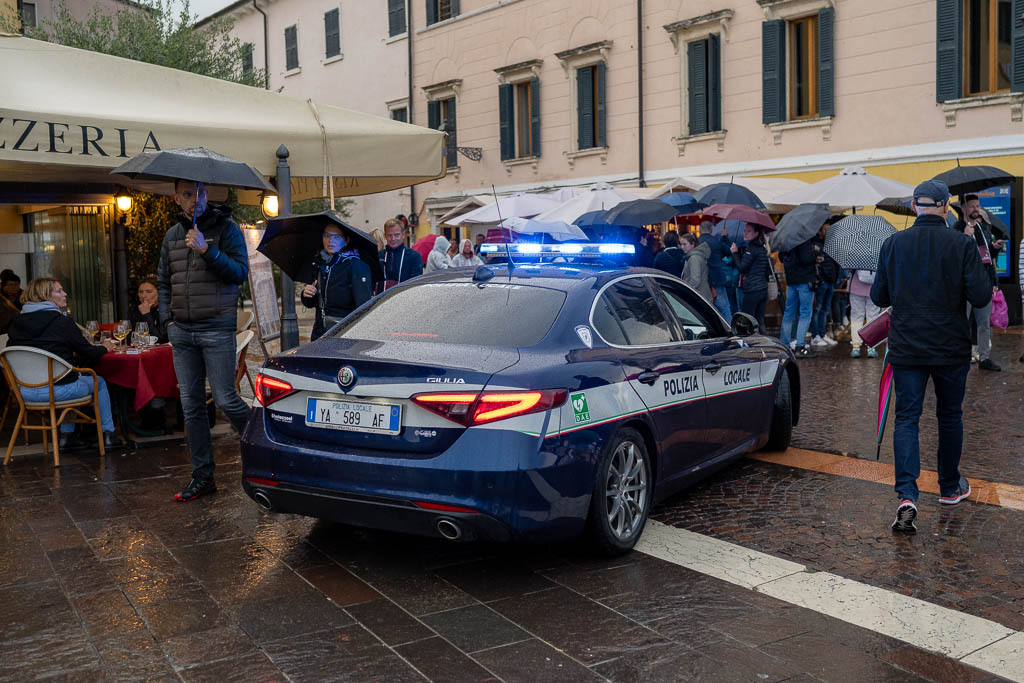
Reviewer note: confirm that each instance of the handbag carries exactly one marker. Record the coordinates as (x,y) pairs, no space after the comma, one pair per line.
(773,284)
(1000,314)
(876,331)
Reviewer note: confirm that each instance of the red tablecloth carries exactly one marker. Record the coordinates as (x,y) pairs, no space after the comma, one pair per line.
(150,374)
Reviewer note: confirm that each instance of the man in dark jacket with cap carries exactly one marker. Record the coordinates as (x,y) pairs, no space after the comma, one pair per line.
(974,225)
(202,263)
(928,274)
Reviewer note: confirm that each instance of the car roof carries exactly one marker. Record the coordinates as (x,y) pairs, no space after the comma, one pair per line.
(563,277)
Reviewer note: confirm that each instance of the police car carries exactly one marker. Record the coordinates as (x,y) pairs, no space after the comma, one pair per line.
(540,402)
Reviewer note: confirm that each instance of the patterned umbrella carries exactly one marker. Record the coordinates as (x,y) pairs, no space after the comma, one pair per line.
(855,241)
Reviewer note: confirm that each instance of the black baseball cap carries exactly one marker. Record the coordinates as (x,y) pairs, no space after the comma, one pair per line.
(935,192)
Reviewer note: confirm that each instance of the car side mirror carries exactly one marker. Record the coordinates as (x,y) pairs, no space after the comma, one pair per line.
(743,325)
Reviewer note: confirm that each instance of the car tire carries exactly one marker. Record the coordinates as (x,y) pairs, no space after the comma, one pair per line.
(621,501)
(781,430)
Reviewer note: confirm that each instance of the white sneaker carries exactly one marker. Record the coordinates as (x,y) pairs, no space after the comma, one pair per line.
(975,358)
(792,344)
(818,341)
(846,321)
(829,340)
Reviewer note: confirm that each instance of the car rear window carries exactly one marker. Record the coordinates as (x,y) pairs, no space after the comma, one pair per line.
(491,314)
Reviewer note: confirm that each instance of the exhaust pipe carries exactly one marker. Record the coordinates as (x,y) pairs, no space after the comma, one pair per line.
(449,529)
(263,501)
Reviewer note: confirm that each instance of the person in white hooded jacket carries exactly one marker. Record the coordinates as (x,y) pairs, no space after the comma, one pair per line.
(466,257)
(438,258)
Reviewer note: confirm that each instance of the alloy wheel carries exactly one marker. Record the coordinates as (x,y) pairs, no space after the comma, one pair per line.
(626,490)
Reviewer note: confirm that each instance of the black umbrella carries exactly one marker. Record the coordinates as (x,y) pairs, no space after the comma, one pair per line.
(799,225)
(293,242)
(591,218)
(639,212)
(964,179)
(197,164)
(729,193)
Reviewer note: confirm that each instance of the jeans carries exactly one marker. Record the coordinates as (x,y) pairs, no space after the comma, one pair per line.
(822,308)
(722,303)
(753,304)
(983,321)
(78,389)
(909,384)
(798,297)
(198,355)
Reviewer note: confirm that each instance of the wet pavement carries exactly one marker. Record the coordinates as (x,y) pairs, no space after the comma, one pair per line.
(103,577)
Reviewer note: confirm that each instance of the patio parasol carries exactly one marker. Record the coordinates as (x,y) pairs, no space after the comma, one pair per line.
(292,243)
(852,187)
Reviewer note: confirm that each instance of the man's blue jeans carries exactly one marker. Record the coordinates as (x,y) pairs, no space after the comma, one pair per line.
(909,384)
(80,388)
(798,297)
(822,308)
(722,303)
(199,355)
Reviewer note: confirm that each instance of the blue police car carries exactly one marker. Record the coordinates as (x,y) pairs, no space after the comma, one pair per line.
(541,402)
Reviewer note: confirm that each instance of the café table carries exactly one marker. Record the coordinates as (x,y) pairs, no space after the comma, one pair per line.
(149,373)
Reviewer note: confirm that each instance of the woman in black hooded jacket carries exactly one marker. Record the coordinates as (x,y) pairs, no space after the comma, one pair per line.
(756,268)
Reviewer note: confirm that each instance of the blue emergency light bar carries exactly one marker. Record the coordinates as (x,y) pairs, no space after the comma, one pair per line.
(568,249)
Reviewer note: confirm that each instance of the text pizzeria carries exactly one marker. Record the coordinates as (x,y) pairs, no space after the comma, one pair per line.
(48,137)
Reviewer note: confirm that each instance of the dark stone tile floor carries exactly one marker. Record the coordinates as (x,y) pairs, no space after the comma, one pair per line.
(103,577)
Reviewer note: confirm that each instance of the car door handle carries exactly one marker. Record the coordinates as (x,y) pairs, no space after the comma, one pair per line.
(649,377)
(713,367)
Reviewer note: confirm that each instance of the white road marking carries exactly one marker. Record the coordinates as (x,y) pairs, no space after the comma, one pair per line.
(975,641)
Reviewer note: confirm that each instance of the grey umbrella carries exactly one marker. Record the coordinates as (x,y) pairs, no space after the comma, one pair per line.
(855,241)
(799,225)
(194,163)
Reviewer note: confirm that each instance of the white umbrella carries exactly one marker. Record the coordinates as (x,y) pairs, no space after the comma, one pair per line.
(559,230)
(851,188)
(521,205)
(599,197)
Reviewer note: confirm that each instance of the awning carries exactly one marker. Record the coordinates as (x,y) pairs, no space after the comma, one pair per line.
(70,116)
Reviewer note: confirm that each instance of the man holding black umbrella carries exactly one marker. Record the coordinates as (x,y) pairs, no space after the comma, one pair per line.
(203,261)
(928,274)
(974,225)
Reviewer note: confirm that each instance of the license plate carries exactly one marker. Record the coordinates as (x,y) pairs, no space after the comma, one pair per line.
(354,416)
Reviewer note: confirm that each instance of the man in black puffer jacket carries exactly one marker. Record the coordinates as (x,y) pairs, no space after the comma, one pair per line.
(928,274)
(202,263)
(671,258)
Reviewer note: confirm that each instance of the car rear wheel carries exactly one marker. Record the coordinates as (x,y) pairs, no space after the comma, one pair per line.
(781,430)
(622,494)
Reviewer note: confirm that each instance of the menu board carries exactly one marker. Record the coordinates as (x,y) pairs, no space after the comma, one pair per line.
(261,285)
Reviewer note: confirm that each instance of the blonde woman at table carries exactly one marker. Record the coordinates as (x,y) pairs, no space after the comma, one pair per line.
(43,325)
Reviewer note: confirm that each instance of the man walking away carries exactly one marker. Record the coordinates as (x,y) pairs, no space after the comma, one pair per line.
(400,263)
(203,261)
(671,258)
(928,274)
(988,249)
(799,265)
(718,275)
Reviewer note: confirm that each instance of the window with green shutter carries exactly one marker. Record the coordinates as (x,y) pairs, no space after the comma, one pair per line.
(798,67)
(704,89)
(332,33)
(396,17)
(519,119)
(440,10)
(291,48)
(590,106)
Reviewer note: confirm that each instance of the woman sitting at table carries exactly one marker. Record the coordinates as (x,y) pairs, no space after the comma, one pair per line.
(148,312)
(43,325)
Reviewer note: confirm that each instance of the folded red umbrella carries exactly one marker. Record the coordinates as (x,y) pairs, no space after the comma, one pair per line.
(738,212)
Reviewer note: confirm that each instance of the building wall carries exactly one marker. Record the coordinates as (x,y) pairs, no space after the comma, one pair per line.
(46,10)
(371,71)
(885,83)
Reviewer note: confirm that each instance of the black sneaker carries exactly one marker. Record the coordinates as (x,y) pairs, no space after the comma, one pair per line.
(196,488)
(71,442)
(906,513)
(963,490)
(987,364)
(805,352)
(112,442)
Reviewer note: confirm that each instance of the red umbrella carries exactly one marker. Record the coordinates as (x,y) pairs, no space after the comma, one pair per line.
(738,212)
(423,246)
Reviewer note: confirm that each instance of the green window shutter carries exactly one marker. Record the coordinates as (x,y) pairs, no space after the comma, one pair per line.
(535,116)
(434,114)
(1017,48)
(826,62)
(585,107)
(507,117)
(291,48)
(601,124)
(332,33)
(773,71)
(714,82)
(949,50)
(453,141)
(396,17)
(431,12)
(455,8)
(696,60)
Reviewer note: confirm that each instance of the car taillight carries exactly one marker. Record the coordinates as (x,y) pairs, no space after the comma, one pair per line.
(476,408)
(270,389)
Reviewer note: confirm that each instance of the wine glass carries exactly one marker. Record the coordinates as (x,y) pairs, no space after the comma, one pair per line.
(121,331)
(140,335)
(93,327)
